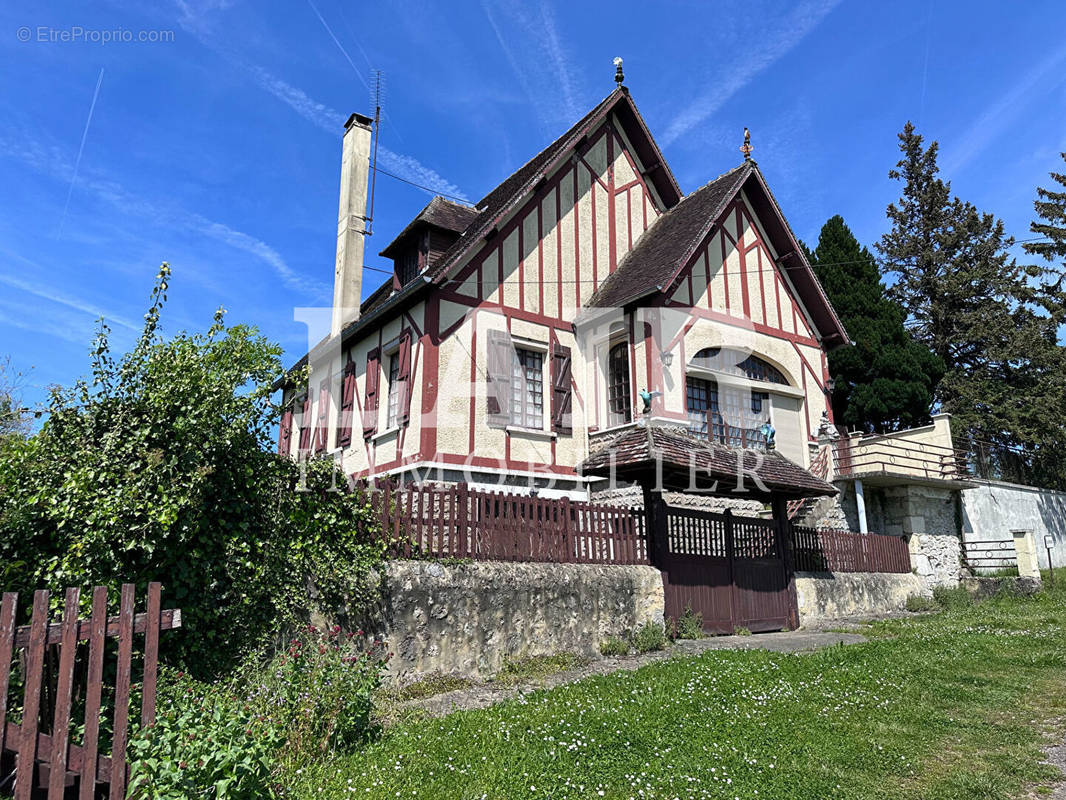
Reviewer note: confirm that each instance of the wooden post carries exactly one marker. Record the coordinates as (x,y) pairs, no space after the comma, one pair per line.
(655,526)
(782,524)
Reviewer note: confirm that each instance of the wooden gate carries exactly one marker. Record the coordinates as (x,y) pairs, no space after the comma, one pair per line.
(731,570)
(45,749)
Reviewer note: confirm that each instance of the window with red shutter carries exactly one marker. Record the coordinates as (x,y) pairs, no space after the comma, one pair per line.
(322,426)
(403,380)
(305,425)
(347,411)
(562,392)
(285,433)
(370,399)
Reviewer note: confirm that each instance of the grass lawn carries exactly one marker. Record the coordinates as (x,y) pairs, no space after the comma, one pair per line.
(944,706)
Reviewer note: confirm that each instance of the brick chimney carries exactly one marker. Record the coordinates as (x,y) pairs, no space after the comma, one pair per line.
(351,222)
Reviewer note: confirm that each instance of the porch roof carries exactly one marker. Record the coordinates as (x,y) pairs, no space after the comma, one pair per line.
(687,461)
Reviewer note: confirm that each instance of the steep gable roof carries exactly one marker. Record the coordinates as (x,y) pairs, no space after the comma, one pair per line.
(661,254)
(505,197)
(439,213)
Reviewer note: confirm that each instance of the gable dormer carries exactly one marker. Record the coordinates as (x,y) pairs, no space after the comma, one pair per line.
(427,237)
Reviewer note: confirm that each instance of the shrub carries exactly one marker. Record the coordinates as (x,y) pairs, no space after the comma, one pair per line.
(614,646)
(648,637)
(205,742)
(232,738)
(158,466)
(741,631)
(920,602)
(689,625)
(952,597)
(318,692)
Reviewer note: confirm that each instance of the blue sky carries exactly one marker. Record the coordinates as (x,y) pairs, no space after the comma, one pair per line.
(219,150)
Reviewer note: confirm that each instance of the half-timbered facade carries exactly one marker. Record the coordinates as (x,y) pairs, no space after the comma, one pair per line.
(518,334)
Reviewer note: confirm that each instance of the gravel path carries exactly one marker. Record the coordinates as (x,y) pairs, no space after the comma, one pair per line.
(1056,756)
(484,695)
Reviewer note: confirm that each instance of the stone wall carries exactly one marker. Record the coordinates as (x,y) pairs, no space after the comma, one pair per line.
(466,619)
(992,510)
(824,595)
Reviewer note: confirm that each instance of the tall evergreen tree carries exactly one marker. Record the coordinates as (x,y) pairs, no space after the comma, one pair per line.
(885,381)
(992,321)
(1051,208)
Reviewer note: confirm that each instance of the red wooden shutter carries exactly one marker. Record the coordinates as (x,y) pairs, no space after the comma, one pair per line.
(370,396)
(500,362)
(562,393)
(285,433)
(322,427)
(403,378)
(344,419)
(305,424)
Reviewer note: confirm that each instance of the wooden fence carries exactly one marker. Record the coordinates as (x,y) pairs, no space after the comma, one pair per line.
(49,670)
(838,551)
(458,522)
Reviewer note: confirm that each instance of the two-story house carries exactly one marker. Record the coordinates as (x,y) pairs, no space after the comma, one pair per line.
(517,334)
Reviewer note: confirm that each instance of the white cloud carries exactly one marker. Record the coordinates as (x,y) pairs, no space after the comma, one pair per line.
(49,294)
(740,71)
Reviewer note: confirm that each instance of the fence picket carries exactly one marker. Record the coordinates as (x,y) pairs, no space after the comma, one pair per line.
(61,719)
(31,698)
(8,608)
(122,693)
(90,740)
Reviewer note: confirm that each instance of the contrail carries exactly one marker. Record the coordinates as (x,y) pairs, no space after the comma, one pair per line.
(81,148)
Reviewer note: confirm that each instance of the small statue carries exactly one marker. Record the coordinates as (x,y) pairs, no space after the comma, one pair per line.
(826,429)
(769,432)
(647,397)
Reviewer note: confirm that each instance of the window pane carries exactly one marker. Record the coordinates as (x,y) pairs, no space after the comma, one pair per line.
(394,390)
(527,389)
(618,391)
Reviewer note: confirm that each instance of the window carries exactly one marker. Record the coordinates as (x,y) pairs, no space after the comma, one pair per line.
(407,266)
(751,367)
(618,395)
(393,418)
(527,389)
(726,414)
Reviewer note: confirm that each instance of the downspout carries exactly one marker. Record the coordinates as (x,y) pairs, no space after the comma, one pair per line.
(860,506)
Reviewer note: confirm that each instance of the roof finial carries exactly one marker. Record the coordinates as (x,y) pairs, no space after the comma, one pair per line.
(746,148)
(618,74)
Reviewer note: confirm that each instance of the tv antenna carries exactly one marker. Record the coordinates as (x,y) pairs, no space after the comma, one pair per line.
(377,97)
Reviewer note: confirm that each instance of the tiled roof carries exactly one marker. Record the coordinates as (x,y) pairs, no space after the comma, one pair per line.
(440,212)
(682,454)
(658,253)
(497,202)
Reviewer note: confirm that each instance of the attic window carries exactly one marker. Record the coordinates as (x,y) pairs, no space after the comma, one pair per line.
(407,266)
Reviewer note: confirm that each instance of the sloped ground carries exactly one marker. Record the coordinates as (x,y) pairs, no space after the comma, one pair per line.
(942,707)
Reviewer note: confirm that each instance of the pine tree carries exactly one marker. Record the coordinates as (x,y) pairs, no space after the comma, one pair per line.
(885,381)
(1050,207)
(991,321)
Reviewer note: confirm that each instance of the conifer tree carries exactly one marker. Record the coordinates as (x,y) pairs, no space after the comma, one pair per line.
(1051,208)
(992,321)
(885,381)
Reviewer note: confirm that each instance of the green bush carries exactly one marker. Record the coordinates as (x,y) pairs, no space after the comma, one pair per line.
(919,602)
(952,597)
(614,646)
(741,631)
(648,637)
(689,625)
(234,738)
(159,466)
(205,742)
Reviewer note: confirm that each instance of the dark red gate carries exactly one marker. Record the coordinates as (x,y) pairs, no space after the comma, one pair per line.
(729,569)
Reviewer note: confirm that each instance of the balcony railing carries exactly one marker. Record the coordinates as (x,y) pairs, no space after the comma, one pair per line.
(856,457)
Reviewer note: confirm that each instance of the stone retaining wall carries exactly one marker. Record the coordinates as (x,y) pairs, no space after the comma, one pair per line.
(466,619)
(828,595)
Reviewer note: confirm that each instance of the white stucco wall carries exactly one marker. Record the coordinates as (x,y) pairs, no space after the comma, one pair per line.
(992,510)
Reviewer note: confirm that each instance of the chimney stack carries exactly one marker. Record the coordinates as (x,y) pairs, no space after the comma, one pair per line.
(351,222)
